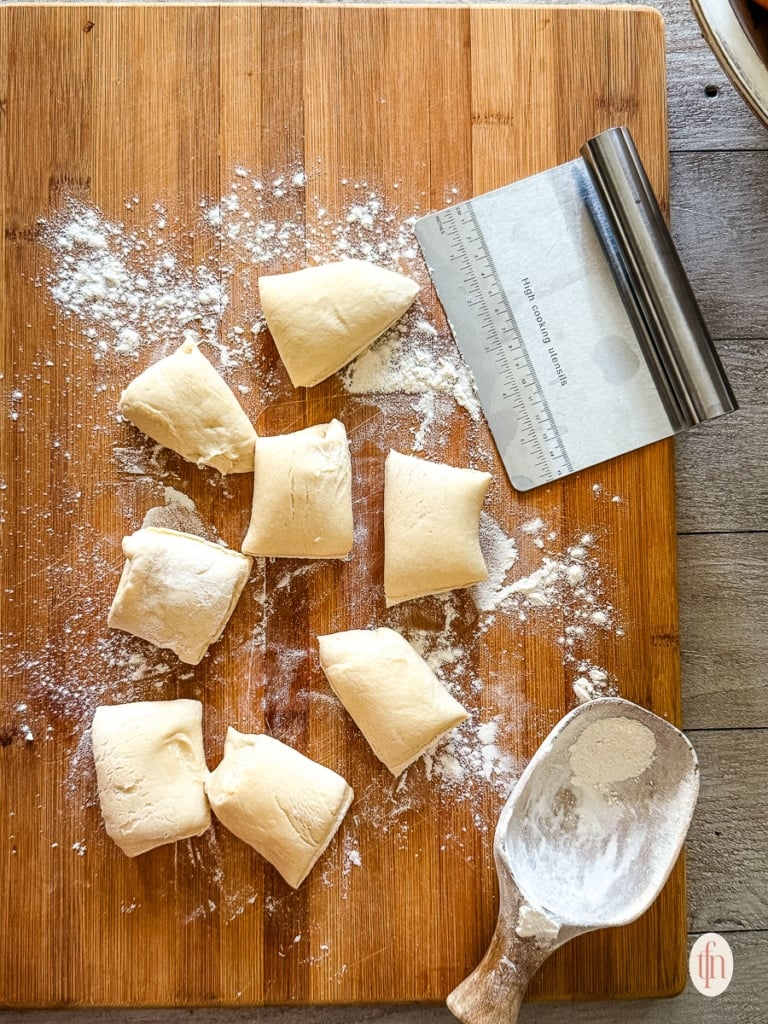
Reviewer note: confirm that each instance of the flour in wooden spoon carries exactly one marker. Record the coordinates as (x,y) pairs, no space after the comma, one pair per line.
(611,750)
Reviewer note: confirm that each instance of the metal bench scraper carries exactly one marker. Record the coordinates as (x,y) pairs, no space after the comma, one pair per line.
(569,303)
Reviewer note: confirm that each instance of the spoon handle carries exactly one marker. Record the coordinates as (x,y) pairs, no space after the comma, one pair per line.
(492,994)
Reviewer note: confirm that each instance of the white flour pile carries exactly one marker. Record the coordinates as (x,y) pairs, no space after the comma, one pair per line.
(470,750)
(405,361)
(178,513)
(611,750)
(501,554)
(129,288)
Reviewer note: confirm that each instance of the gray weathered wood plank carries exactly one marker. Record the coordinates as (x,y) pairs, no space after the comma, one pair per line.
(723,626)
(722,485)
(719,220)
(720,223)
(728,841)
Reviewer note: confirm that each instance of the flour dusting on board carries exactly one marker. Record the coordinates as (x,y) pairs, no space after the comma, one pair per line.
(138,285)
(129,288)
(178,513)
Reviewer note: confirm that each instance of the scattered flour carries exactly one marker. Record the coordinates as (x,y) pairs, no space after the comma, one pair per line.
(178,513)
(130,287)
(401,362)
(501,554)
(469,753)
(593,684)
(568,583)
(352,856)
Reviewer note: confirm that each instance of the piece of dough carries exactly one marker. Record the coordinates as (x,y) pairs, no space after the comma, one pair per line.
(394,697)
(151,772)
(177,590)
(322,317)
(182,403)
(431,527)
(284,805)
(302,495)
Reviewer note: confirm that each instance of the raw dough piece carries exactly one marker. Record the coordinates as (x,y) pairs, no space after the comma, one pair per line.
(151,771)
(177,590)
(322,317)
(182,403)
(394,697)
(431,527)
(302,495)
(281,803)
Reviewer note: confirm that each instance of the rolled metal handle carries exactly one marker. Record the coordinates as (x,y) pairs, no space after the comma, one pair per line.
(656,290)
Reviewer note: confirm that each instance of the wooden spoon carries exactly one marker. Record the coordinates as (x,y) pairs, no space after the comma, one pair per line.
(586,840)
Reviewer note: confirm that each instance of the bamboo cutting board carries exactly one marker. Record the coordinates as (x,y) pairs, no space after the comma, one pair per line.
(122,107)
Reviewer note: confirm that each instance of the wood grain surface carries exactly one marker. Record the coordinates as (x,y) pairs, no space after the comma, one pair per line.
(106,103)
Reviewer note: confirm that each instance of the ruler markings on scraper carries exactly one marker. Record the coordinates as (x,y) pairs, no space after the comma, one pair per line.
(503,341)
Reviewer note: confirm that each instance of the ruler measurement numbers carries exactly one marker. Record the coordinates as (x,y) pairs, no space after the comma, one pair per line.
(535,436)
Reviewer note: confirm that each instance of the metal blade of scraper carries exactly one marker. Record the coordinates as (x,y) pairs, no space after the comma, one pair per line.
(550,330)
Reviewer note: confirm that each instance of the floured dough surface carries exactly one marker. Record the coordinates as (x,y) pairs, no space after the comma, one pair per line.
(394,697)
(151,772)
(431,527)
(302,495)
(177,590)
(322,317)
(283,804)
(184,404)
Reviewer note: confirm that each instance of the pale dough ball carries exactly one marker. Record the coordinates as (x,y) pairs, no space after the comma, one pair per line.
(151,772)
(177,590)
(431,527)
(284,805)
(322,317)
(302,495)
(182,403)
(394,697)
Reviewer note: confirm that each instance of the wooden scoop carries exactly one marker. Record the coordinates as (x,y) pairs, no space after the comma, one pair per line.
(586,840)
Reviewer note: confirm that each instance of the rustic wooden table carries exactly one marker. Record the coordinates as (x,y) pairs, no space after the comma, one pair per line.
(719,210)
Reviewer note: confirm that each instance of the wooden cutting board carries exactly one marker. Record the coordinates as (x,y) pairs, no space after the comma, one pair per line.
(126,107)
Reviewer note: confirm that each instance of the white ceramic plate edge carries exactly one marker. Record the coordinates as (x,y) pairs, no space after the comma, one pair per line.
(736,51)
